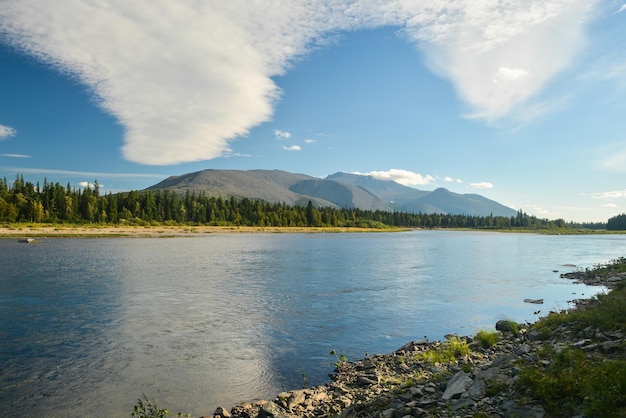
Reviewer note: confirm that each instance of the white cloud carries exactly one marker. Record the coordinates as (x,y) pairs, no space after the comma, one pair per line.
(309,141)
(186,77)
(282,134)
(500,54)
(404,177)
(621,9)
(15,155)
(88,185)
(6,132)
(612,195)
(451,180)
(481,185)
(293,148)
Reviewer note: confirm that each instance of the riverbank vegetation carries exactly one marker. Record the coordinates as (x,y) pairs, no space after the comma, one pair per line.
(579,377)
(52,203)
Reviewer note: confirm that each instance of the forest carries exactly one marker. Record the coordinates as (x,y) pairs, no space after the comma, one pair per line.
(23,201)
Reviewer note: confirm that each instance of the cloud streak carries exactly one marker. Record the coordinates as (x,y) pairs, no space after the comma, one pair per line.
(27,170)
(184,78)
(481,185)
(15,155)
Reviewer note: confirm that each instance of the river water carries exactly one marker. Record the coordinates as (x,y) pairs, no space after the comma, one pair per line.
(89,325)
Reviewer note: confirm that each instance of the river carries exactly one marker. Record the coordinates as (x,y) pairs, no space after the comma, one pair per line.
(89,325)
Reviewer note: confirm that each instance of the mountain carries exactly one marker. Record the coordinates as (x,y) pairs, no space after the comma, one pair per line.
(339,190)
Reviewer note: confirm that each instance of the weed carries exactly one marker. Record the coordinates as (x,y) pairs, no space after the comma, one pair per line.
(486,339)
(147,408)
(341,358)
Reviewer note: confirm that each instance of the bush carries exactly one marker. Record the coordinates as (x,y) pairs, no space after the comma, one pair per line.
(573,383)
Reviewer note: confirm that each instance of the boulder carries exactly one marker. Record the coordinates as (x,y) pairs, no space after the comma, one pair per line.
(457,386)
(504,325)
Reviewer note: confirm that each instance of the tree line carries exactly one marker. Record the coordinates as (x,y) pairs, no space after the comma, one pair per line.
(617,223)
(23,201)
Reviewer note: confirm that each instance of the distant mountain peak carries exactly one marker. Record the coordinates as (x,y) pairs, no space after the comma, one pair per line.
(340,189)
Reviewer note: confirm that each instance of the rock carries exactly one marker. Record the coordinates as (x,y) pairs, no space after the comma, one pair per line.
(296,398)
(366,380)
(535,301)
(512,410)
(272,410)
(461,404)
(504,325)
(412,346)
(477,389)
(457,386)
(221,412)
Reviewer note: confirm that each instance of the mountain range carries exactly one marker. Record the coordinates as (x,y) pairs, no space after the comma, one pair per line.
(339,190)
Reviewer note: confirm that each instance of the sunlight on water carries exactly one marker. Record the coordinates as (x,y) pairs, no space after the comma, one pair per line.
(88,325)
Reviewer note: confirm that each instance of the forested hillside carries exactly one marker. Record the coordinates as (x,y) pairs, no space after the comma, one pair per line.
(53,203)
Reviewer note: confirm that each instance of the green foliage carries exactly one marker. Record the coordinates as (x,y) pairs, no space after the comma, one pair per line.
(52,203)
(576,382)
(446,352)
(341,358)
(607,313)
(486,339)
(573,383)
(147,408)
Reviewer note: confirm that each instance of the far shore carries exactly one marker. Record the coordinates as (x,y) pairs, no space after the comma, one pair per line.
(129,231)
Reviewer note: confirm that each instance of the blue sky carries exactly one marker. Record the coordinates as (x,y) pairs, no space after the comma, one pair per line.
(523,102)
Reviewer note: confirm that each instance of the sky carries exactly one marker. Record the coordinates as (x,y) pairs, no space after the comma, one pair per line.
(523,102)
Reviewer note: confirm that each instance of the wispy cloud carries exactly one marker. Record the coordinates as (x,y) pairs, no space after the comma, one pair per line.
(282,134)
(309,141)
(47,171)
(186,77)
(15,155)
(404,177)
(6,132)
(611,195)
(293,148)
(481,185)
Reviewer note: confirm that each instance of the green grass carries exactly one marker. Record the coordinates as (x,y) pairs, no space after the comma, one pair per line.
(446,352)
(486,339)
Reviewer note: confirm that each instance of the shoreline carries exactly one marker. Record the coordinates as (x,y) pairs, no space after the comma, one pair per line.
(161,231)
(416,380)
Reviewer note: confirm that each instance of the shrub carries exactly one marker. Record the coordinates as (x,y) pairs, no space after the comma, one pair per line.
(573,383)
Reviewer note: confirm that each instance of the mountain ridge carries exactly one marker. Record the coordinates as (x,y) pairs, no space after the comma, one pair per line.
(339,190)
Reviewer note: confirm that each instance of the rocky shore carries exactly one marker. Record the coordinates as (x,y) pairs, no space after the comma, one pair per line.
(417,380)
